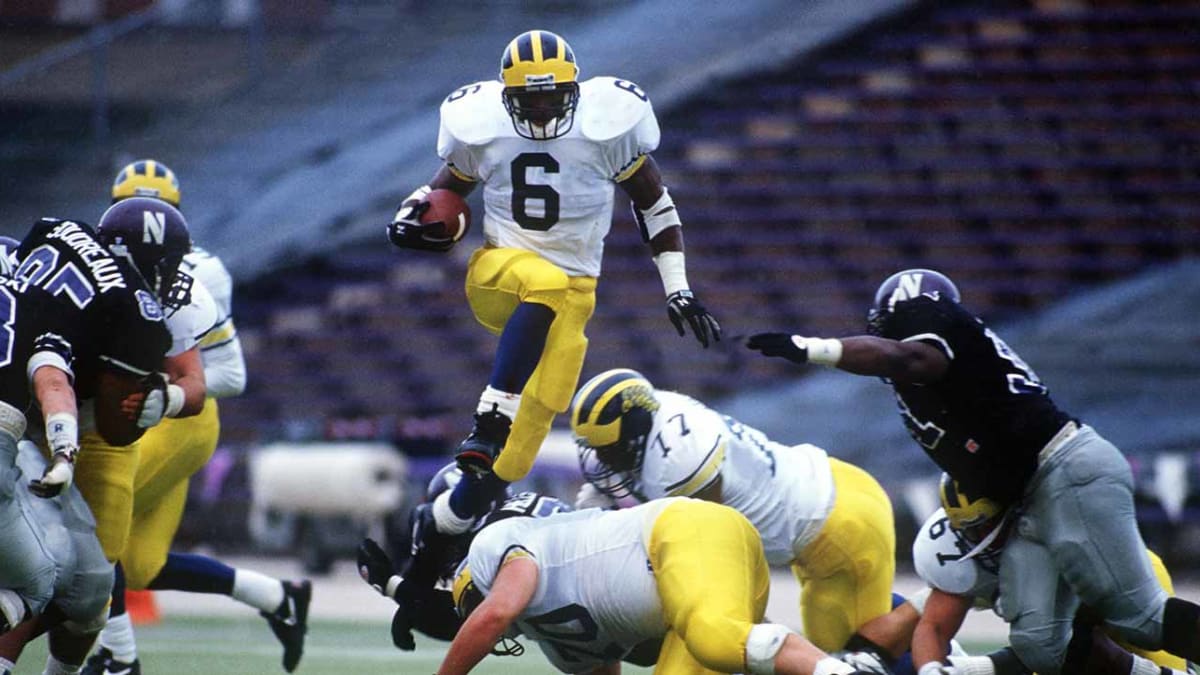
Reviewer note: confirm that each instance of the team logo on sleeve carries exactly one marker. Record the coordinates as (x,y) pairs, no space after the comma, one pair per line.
(148,305)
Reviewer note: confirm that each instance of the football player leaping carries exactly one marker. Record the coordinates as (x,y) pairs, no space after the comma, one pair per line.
(548,150)
(830,520)
(175,448)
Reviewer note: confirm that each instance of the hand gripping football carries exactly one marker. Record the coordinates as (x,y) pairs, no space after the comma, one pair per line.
(448,211)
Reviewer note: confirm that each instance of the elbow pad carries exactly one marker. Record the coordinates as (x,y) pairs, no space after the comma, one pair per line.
(661,215)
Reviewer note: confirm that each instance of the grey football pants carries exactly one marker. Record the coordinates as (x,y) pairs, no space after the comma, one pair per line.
(1077,540)
(48,547)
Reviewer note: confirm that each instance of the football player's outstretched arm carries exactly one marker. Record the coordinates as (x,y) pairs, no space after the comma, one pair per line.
(406,229)
(943,616)
(909,361)
(514,587)
(661,228)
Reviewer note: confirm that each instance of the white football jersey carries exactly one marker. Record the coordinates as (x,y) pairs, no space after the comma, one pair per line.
(191,322)
(596,598)
(552,196)
(938,557)
(220,348)
(786,492)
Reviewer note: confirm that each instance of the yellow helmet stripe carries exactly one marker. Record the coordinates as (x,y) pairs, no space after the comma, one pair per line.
(535,38)
(597,393)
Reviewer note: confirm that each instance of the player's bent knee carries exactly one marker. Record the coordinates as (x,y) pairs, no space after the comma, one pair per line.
(716,642)
(139,571)
(1043,650)
(762,646)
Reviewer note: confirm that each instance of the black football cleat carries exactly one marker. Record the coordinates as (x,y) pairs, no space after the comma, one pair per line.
(290,621)
(103,663)
(480,448)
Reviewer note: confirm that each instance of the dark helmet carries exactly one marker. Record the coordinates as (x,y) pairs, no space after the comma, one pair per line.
(907,285)
(153,236)
(611,417)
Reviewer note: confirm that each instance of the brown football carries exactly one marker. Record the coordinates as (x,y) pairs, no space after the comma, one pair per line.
(449,209)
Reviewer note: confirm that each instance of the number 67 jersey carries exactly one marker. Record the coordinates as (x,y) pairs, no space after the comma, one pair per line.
(553,196)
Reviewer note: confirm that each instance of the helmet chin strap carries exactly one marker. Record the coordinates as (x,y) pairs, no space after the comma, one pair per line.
(990,538)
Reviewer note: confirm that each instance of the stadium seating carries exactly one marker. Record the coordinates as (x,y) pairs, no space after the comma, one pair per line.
(1029,149)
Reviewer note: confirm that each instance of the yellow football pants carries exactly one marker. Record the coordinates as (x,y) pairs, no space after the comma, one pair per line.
(169,453)
(1160,657)
(104,475)
(499,279)
(846,573)
(713,582)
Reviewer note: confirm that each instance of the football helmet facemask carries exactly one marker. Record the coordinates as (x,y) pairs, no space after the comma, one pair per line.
(907,285)
(541,84)
(153,236)
(611,416)
(146,178)
(979,522)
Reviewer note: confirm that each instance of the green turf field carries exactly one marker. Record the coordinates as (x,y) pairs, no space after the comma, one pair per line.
(221,646)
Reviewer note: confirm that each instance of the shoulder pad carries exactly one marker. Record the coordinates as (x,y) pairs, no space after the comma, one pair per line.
(192,321)
(946,573)
(210,271)
(474,114)
(610,107)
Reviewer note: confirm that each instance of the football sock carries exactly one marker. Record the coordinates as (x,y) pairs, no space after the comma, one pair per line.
(521,346)
(117,637)
(1006,662)
(501,401)
(194,574)
(56,667)
(473,496)
(257,590)
(118,592)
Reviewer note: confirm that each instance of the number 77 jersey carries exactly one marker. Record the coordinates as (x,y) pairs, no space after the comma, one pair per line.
(786,492)
(552,196)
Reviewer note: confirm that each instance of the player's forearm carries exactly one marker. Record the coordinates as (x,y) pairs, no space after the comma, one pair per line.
(186,371)
(897,361)
(479,633)
(928,643)
(53,391)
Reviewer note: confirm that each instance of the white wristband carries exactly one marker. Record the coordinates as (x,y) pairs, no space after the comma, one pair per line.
(393,582)
(417,195)
(672,270)
(918,600)
(175,400)
(931,668)
(821,351)
(62,431)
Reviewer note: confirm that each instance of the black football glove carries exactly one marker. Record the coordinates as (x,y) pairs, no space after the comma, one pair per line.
(779,344)
(402,635)
(375,567)
(407,230)
(683,307)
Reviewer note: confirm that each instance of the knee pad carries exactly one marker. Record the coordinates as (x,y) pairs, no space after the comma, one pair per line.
(87,627)
(763,644)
